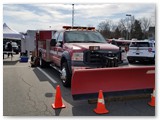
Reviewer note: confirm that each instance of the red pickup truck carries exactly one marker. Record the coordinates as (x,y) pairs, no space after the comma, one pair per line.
(75,48)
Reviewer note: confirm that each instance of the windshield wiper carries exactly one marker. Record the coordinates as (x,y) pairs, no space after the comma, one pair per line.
(75,41)
(84,41)
(93,42)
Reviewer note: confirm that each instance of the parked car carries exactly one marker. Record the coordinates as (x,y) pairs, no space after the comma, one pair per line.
(141,50)
(14,47)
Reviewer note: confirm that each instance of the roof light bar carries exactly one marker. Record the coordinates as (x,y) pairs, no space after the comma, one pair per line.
(78,27)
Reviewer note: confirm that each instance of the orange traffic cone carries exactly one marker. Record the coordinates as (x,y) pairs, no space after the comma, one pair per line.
(58,100)
(100,105)
(152,102)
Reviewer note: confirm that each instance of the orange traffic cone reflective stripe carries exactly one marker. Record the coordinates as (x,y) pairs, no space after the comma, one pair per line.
(101,109)
(58,100)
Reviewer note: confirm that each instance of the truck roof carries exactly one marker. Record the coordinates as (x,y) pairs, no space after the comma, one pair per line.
(78,28)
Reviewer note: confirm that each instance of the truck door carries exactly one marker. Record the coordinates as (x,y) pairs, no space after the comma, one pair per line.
(53,49)
(59,48)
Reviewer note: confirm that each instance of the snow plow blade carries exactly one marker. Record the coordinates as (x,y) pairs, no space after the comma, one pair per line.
(87,82)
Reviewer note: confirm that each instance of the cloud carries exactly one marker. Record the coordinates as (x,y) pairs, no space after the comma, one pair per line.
(43,15)
(29,18)
(108,10)
(25,15)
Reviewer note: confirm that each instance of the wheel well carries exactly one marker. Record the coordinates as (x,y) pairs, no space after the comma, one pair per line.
(64,59)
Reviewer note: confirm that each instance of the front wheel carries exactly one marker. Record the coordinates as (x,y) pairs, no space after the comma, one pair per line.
(65,75)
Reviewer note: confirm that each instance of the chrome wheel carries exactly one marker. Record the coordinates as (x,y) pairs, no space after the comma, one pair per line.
(40,62)
(63,75)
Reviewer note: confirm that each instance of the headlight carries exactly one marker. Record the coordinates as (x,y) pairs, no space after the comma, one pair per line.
(77,56)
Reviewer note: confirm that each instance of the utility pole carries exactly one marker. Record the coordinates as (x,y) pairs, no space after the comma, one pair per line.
(72,15)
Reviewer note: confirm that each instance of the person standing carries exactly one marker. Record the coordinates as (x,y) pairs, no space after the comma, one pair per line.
(9,46)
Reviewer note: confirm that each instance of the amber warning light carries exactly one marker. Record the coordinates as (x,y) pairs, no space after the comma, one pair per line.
(78,27)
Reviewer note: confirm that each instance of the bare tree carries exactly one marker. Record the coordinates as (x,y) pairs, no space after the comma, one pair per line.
(113,27)
(105,25)
(124,26)
(145,24)
(121,25)
(105,28)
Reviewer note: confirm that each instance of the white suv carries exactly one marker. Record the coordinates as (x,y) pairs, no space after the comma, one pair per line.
(141,50)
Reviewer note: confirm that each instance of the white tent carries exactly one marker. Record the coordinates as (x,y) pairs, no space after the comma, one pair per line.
(9,33)
(28,43)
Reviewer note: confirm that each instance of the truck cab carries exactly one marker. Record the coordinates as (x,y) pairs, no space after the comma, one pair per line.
(84,60)
(81,47)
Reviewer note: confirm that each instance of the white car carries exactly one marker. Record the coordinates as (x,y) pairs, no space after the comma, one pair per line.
(14,47)
(141,50)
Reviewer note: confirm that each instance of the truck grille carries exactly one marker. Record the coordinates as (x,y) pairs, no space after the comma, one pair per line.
(97,57)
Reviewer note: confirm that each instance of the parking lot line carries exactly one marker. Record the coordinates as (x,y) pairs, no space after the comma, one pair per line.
(46,75)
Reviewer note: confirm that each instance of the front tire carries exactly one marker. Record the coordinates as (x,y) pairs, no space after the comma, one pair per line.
(65,75)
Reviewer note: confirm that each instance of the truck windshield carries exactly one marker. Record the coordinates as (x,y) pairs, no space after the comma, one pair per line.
(83,37)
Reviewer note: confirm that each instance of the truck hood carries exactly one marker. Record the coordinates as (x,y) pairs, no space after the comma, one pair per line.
(82,46)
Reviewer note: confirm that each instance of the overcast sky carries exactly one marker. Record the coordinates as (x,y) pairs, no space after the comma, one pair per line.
(23,17)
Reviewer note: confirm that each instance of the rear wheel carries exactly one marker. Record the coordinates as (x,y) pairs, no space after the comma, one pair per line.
(41,63)
(65,75)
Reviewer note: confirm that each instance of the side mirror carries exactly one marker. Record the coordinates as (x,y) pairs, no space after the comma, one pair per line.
(59,44)
(53,42)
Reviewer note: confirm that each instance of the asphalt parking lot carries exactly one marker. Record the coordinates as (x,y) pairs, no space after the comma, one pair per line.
(31,91)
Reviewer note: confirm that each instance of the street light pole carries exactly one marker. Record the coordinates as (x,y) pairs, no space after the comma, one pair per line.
(72,15)
(129,15)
